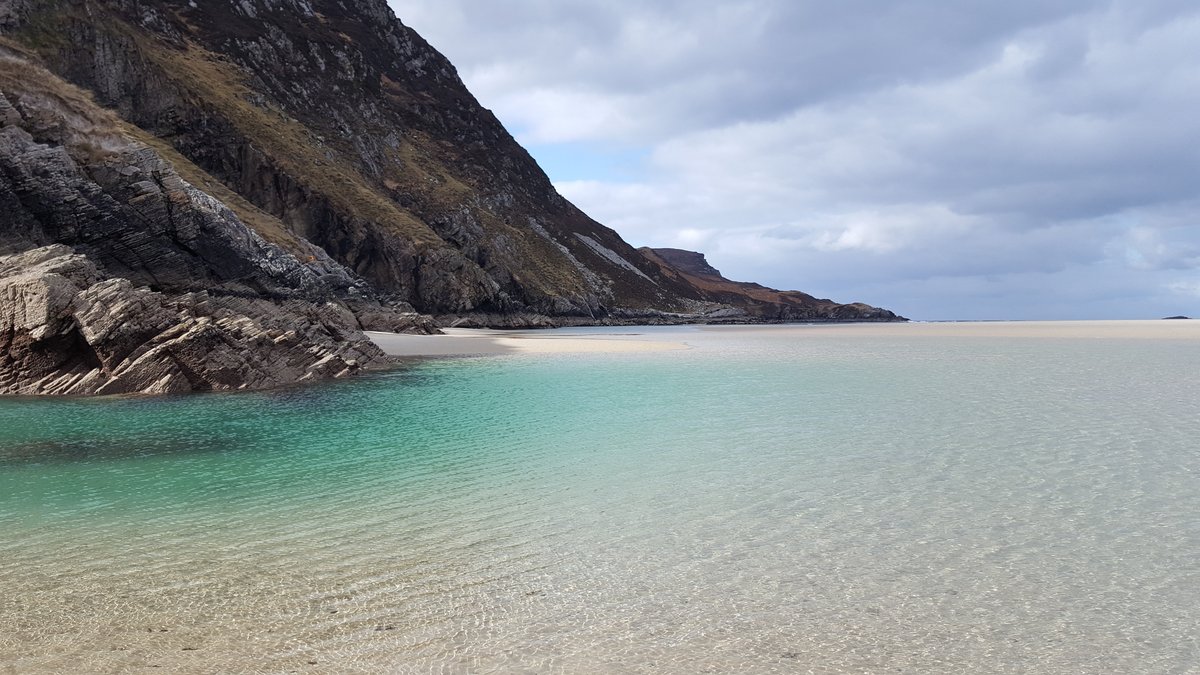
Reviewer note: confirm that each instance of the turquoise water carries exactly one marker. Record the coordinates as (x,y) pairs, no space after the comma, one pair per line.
(782,499)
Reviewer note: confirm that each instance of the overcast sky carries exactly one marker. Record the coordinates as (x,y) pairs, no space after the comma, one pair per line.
(1027,159)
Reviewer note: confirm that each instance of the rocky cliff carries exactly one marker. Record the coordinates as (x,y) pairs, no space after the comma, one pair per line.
(117,275)
(343,125)
(281,174)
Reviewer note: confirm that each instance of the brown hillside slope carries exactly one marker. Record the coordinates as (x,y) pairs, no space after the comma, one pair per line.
(755,301)
(344,125)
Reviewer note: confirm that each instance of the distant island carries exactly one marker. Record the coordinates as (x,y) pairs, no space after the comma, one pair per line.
(1176,318)
(205,196)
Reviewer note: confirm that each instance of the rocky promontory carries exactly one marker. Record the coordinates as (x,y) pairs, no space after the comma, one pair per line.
(224,194)
(747,301)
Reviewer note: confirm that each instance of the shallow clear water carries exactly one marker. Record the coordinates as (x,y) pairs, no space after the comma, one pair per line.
(775,500)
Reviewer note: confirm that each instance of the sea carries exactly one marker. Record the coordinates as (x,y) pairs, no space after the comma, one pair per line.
(902,498)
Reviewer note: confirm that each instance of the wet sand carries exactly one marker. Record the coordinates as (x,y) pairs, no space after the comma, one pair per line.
(478,341)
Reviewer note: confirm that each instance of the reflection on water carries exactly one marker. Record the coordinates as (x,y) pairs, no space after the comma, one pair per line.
(776,500)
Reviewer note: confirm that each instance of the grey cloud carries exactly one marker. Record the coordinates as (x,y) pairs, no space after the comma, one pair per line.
(751,59)
(915,154)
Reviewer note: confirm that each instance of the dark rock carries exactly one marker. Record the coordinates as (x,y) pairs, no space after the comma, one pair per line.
(114,284)
(688,262)
(64,331)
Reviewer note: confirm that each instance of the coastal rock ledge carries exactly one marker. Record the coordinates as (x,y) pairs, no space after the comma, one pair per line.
(66,330)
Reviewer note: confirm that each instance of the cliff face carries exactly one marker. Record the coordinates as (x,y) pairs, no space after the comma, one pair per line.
(347,128)
(223,193)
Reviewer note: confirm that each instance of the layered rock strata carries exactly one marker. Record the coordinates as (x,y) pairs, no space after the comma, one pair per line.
(65,329)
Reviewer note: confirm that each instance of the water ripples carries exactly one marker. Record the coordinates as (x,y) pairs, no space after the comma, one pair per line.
(764,503)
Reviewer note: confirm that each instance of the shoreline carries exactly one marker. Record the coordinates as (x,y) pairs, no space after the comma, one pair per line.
(487,341)
(652,338)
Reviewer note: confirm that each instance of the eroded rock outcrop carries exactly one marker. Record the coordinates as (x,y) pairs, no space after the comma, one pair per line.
(64,329)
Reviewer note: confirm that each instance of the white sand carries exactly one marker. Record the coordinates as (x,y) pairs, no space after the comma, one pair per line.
(471,341)
(475,341)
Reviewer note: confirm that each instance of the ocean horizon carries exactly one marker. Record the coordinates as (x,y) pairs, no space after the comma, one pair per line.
(989,497)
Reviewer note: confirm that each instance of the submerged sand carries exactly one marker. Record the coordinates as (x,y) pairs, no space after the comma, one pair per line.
(528,520)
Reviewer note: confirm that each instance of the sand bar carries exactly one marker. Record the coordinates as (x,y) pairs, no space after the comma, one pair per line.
(479,341)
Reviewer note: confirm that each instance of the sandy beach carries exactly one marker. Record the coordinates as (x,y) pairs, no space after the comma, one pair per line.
(479,341)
